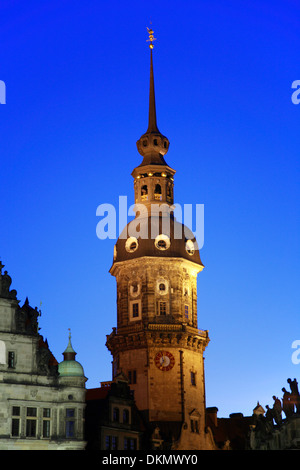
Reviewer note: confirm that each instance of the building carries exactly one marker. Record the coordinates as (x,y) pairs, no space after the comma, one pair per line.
(231,433)
(157,343)
(112,418)
(42,401)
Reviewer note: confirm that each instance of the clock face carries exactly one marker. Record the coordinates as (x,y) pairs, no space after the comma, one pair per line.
(164,360)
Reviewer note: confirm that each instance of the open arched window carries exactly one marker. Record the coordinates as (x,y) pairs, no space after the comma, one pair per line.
(157,189)
(144,192)
(157,192)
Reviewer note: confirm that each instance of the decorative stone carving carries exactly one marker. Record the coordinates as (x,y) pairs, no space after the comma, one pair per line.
(5,283)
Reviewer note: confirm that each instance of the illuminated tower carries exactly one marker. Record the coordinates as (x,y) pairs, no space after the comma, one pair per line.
(157,343)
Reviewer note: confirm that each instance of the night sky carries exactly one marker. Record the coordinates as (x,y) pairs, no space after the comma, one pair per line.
(77,81)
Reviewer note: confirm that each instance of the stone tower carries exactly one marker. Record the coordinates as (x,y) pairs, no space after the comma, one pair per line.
(157,343)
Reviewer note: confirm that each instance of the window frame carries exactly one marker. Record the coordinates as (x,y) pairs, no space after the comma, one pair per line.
(133,317)
(31,422)
(70,423)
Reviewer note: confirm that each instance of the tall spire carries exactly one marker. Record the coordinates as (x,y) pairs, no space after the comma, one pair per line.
(152,145)
(152,125)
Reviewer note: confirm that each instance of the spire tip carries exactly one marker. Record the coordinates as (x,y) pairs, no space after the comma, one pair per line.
(151,37)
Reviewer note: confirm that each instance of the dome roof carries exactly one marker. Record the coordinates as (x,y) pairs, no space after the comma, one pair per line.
(176,242)
(70,369)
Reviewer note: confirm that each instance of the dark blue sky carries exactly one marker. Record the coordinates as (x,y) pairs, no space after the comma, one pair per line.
(77,76)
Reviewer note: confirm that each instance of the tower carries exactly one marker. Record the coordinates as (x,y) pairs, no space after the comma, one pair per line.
(157,343)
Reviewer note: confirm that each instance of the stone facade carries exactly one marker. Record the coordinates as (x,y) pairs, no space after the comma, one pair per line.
(39,408)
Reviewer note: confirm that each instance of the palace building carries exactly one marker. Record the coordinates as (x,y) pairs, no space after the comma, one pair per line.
(42,401)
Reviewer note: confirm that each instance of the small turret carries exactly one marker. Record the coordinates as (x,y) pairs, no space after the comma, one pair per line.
(69,367)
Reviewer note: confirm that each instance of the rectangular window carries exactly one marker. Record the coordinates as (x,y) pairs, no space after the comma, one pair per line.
(186,312)
(32,412)
(114,443)
(70,412)
(46,422)
(129,443)
(126,415)
(46,428)
(193,378)
(15,424)
(11,359)
(70,423)
(16,411)
(31,421)
(15,427)
(116,414)
(162,308)
(30,428)
(70,429)
(111,443)
(135,310)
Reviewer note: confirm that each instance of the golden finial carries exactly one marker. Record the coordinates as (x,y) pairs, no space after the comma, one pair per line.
(151,37)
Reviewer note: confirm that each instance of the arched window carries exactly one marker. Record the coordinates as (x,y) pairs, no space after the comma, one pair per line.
(157,192)
(144,190)
(162,287)
(157,189)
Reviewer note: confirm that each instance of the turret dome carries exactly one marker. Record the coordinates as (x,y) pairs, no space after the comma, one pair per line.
(69,367)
